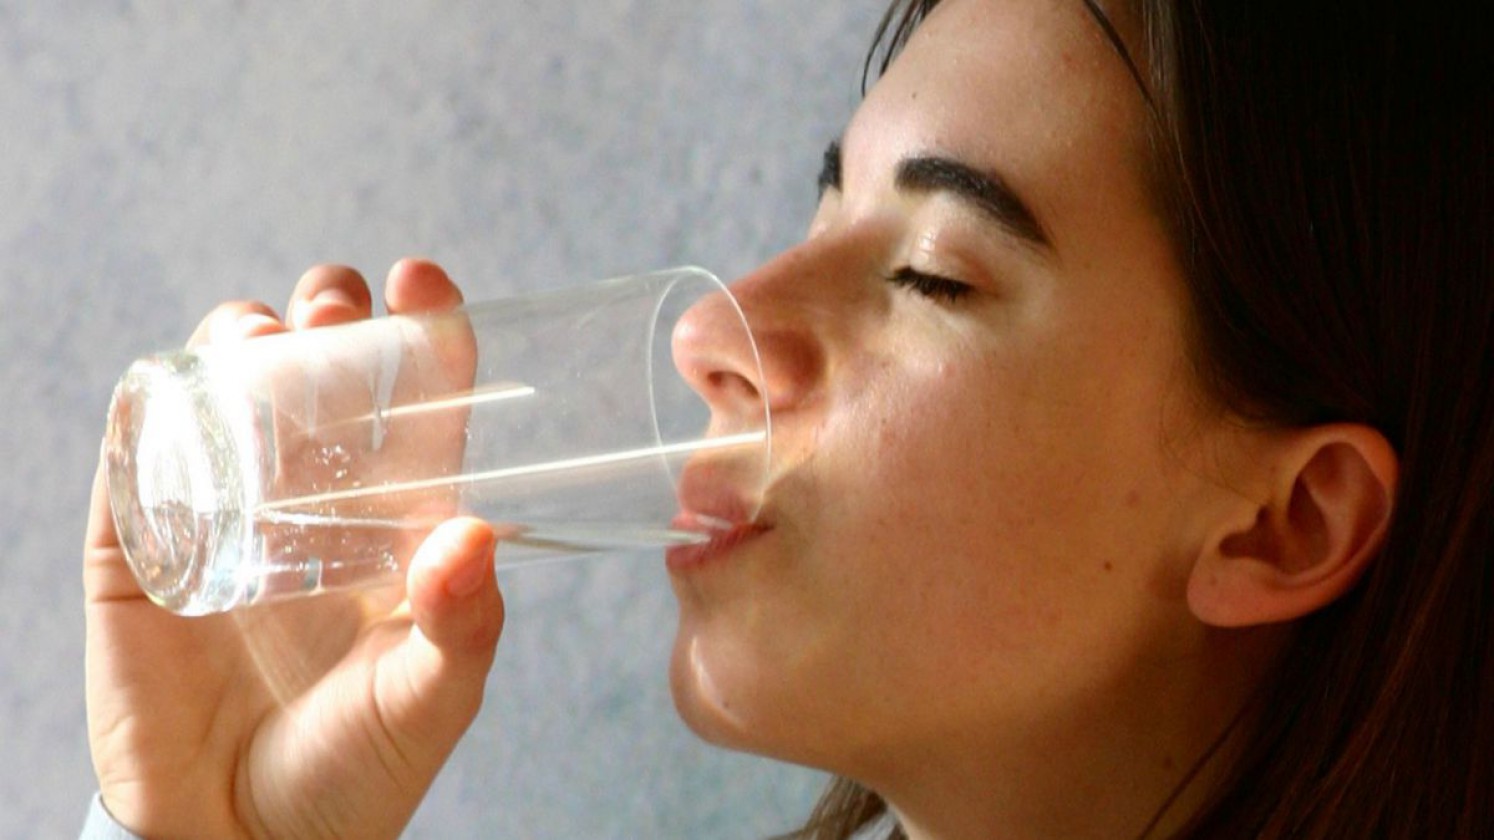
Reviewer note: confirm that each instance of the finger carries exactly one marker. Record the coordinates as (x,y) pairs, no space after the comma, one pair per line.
(105,575)
(416,285)
(235,321)
(329,294)
(434,689)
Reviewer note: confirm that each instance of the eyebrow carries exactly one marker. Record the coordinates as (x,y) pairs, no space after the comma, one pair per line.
(987,191)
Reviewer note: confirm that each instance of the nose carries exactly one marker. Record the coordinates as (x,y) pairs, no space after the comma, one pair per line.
(736,373)
(719,360)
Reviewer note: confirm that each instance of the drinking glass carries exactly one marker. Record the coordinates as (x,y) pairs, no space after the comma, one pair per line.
(318,459)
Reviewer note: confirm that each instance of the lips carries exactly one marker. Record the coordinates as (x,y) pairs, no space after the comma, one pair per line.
(681,558)
(713,505)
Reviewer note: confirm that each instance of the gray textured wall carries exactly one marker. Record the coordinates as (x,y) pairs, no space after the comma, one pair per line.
(161,156)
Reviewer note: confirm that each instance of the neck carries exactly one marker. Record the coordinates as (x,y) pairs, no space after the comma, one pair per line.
(1140,767)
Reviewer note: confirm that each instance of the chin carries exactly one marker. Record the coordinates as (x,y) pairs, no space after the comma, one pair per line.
(742,707)
(699,699)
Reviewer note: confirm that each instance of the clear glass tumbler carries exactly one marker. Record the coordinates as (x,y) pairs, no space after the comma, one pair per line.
(314,460)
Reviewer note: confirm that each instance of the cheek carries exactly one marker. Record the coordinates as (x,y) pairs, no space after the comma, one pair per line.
(996,477)
(982,516)
(938,446)
(938,519)
(916,494)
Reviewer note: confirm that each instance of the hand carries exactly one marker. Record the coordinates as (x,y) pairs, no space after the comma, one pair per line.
(315,718)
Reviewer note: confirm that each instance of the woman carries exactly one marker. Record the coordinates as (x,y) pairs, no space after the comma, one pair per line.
(1135,451)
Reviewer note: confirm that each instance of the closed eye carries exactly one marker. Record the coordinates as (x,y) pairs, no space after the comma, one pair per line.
(930,286)
(829,178)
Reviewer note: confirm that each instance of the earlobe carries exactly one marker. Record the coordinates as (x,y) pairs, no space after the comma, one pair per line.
(1324,519)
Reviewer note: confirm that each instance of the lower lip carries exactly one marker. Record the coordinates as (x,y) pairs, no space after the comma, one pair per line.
(682,558)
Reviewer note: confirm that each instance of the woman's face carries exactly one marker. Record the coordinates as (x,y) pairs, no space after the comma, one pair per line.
(986,487)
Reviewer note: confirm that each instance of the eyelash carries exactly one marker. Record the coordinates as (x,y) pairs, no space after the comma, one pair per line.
(931,286)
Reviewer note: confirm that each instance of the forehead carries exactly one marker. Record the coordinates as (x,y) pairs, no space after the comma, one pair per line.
(1029,88)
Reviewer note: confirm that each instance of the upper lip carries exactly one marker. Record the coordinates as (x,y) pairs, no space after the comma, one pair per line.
(712,498)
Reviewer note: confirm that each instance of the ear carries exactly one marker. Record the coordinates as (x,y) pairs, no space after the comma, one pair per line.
(1328,497)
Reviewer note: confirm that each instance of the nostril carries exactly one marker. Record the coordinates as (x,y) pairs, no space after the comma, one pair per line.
(733,387)
(714,351)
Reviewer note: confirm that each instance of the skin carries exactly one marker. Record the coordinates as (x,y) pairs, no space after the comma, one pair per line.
(985,620)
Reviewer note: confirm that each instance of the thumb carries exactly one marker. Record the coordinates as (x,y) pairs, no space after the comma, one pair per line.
(435,687)
(453,592)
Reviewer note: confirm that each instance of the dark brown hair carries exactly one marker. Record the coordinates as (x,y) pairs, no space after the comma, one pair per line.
(1326,171)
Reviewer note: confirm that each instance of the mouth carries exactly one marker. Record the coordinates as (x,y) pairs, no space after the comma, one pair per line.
(712,507)
(717,545)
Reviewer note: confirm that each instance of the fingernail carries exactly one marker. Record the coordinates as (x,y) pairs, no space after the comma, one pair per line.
(334,295)
(252,324)
(467,579)
(331,296)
